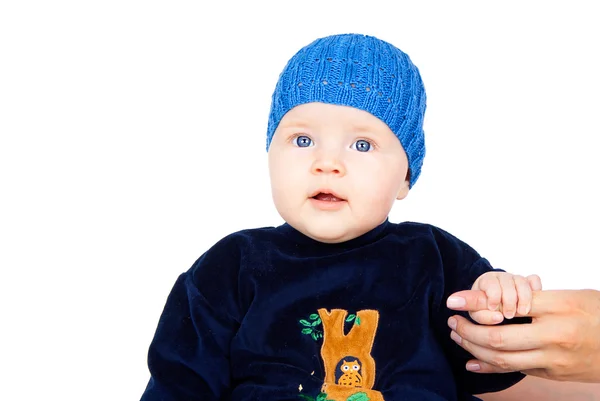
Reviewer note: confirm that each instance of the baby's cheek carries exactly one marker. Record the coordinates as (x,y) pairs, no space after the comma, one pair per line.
(383,191)
(376,204)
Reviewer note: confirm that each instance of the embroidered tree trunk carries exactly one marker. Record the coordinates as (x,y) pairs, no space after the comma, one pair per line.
(349,366)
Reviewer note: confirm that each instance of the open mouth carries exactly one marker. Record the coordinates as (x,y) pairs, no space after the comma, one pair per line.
(325,197)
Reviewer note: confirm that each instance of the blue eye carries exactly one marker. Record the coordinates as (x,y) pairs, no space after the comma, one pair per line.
(302,141)
(361,145)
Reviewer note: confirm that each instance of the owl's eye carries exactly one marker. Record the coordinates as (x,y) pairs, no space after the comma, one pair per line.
(346,367)
(356,367)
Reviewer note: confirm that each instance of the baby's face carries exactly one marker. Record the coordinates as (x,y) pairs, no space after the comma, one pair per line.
(335,171)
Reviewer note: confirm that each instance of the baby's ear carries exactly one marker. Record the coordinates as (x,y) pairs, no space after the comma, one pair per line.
(403,191)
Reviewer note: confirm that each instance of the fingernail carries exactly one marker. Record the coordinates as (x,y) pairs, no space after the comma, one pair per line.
(497,318)
(471,366)
(455,337)
(456,302)
(452,323)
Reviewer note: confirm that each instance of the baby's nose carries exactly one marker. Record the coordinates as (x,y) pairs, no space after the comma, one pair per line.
(328,165)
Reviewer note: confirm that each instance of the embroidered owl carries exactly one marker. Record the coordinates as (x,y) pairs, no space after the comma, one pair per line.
(350,374)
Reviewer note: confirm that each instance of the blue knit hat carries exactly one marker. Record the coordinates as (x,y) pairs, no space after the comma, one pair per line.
(358,71)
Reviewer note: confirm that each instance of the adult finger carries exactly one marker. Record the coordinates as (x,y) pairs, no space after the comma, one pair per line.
(477,366)
(507,361)
(467,300)
(552,302)
(510,337)
(542,302)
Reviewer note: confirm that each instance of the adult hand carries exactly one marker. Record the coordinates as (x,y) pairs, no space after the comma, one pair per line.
(561,343)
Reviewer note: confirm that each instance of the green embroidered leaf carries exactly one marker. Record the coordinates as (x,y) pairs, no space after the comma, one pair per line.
(316,322)
(320,335)
(350,318)
(306,330)
(305,397)
(305,323)
(357,321)
(314,316)
(322,397)
(358,397)
(314,335)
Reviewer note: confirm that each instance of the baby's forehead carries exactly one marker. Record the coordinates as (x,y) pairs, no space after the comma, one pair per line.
(322,114)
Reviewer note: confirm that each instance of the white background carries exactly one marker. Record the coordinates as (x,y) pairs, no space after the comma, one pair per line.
(133,134)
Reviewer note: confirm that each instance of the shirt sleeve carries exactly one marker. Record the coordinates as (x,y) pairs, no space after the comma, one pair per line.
(188,357)
(462,265)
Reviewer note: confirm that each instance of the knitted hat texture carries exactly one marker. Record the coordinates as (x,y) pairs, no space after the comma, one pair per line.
(359,71)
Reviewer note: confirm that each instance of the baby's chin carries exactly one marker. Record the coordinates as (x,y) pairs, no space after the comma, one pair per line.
(328,233)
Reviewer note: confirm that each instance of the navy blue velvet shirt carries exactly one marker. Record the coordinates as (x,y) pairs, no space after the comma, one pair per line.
(270,314)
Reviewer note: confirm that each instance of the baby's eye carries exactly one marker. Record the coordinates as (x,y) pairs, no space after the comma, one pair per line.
(361,145)
(302,141)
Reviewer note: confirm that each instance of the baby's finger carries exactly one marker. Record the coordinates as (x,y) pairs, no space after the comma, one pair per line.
(509,295)
(524,294)
(535,282)
(491,286)
(487,317)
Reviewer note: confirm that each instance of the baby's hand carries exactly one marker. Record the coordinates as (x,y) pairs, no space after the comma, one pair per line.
(508,295)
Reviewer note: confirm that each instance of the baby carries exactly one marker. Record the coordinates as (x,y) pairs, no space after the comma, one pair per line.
(338,303)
